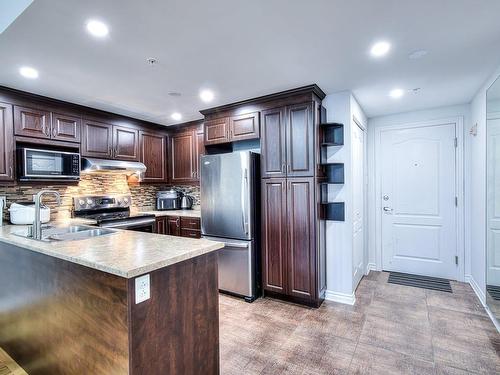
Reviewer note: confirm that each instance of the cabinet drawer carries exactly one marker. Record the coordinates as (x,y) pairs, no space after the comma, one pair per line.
(190,233)
(190,223)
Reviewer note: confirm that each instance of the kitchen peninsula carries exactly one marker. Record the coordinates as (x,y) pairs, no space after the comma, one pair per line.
(74,307)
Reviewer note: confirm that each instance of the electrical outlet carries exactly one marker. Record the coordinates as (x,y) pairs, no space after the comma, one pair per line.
(142,289)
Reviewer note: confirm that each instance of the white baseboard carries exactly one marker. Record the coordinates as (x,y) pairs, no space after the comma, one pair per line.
(479,293)
(370,267)
(348,299)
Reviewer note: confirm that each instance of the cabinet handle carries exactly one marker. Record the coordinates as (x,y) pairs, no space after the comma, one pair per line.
(54,132)
(288,168)
(283,168)
(47,132)
(11,171)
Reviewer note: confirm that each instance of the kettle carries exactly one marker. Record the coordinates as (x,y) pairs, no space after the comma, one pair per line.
(186,202)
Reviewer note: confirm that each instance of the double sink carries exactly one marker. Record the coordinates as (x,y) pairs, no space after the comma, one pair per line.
(67,233)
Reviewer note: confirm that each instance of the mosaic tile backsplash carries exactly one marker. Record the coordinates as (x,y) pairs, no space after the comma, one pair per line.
(143,196)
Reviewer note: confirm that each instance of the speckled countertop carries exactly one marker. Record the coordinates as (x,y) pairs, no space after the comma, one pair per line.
(124,253)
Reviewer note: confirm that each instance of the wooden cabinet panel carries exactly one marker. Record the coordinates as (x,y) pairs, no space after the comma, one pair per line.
(153,154)
(301,238)
(173,225)
(31,122)
(182,157)
(191,233)
(66,127)
(200,151)
(161,225)
(97,139)
(6,143)
(300,141)
(273,143)
(245,126)
(190,223)
(274,239)
(217,131)
(126,143)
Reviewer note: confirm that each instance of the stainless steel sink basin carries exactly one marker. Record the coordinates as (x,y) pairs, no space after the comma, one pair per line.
(69,233)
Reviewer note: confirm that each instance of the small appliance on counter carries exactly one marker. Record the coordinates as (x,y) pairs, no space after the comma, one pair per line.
(24,213)
(168,200)
(3,204)
(187,202)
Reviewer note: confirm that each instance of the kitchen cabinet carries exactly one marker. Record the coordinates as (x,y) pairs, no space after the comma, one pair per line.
(200,151)
(66,127)
(173,225)
(32,122)
(287,141)
(161,225)
(288,232)
(102,140)
(233,128)
(186,148)
(179,226)
(153,153)
(6,143)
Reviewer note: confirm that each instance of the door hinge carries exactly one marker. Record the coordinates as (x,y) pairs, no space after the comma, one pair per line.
(456,142)
(456,260)
(456,201)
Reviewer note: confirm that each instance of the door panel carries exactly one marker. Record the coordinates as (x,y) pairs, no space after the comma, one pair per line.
(182,157)
(274,234)
(358,183)
(126,143)
(300,141)
(31,122)
(66,127)
(418,201)
(244,127)
(97,139)
(153,154)
(217,131)
(6,143)
(273,143)
(493,209)
(301,254)
(173,225)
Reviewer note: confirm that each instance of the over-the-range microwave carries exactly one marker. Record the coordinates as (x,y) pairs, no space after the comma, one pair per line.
(39,164)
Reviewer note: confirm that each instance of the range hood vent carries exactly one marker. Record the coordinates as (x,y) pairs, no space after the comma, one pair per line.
(92,165)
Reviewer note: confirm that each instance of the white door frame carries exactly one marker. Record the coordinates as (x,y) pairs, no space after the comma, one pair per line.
(459,186)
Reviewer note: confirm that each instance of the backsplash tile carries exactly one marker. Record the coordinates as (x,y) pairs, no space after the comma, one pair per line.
(90,184)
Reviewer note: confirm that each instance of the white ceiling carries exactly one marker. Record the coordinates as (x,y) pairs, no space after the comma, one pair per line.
(243,49)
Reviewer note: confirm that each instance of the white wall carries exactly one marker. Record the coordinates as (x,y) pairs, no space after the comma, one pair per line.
(407,118)
(341,107)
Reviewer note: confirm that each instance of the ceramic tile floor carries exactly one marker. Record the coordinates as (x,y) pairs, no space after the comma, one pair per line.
(391,329)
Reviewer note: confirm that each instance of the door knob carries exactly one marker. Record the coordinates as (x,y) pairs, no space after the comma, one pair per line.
(387,209)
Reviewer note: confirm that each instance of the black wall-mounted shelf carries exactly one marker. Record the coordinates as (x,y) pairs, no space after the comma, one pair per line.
(334,211)
(333,134)
(334,173)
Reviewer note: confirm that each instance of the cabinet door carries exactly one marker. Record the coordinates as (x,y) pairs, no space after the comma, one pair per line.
(191,233)
(273,143)
(274,239)
(244,127)
(125,143)
(173,225)
(97,139)
(200,151)
(6,143)
(153,154)
(217,131)
(301,239)
(300,141)
(66,127)
(182,155)
(31,122)
(161,225)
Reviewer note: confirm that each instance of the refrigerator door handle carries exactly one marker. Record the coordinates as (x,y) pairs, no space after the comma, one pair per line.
(244,190)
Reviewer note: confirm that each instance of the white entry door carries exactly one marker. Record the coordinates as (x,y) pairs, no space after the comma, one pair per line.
(493,209)
(358,181)
(418,200)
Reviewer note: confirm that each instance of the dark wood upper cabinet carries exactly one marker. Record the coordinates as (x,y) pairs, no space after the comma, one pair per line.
(301,238)
(153,154)
(31,122)
(273,143)
(66,127)
(6,143)
(97,139)
(245,126)
(200,151)
(300,141)
(274,238)
(217,131)
(182,157)
(125,143)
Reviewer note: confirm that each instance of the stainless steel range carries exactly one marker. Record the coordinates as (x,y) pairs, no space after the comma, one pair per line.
(112,212)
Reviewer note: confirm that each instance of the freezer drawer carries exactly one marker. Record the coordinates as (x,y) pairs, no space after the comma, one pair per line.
(237,267)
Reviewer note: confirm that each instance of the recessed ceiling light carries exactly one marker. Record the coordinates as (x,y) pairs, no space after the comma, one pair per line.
(176,116)
(28,72)
(379,49)
(206,95)
(418,54)
(396,93)
(97,28)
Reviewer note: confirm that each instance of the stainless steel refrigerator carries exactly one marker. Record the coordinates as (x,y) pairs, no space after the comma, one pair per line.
(229,205)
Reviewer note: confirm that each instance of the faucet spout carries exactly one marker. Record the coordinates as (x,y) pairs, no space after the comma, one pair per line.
(37,198)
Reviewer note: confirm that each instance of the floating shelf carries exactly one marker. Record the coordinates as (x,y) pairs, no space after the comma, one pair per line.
(334,211)
(334,173)
(333,134)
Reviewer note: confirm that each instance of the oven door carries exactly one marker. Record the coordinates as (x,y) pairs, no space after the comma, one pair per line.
(48,165)
(147,225)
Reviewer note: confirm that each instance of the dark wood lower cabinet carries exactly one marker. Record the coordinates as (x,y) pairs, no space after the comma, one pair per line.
(179,226)
(289,230)
(161,225)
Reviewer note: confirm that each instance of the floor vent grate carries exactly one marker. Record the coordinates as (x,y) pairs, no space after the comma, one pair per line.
(417,281)
(493,291)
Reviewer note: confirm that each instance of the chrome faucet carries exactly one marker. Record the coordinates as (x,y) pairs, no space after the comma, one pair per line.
(37,198)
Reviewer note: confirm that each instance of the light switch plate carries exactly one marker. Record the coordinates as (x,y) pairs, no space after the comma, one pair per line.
(142,289)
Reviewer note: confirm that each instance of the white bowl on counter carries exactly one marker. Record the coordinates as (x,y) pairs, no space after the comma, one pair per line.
(25,214)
